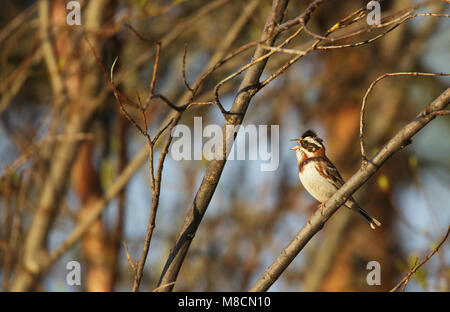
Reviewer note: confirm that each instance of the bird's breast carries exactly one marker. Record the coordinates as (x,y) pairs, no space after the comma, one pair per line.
(315,183)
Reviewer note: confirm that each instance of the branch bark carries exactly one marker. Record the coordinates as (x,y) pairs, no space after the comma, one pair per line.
(367,169)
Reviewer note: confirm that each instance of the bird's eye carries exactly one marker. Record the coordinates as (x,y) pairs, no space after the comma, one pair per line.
(304,144)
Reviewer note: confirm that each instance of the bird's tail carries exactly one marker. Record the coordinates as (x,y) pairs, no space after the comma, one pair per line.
(364,214)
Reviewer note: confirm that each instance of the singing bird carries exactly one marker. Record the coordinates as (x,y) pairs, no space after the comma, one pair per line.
(319,176)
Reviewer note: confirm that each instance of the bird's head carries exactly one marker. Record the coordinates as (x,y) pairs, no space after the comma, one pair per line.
(309,144)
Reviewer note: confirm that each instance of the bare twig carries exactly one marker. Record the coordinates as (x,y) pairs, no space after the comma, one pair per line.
(361,13)
(363,106)
(33,148)
(17,22)
(260,59)
(173,34)
(121,181)
(161,131)
(165,285)
(49,54)
(155,182)
(165,100)
(416,266)
(306,16)
(183,70)
(133,266)
(263,58)
(140,36)
(155,68)
(11,87)
(441,113)
(156,188)
(315,45)
(215,167)
(397,22)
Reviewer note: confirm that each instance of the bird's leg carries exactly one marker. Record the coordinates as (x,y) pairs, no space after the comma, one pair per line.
(309,220)
(321,206)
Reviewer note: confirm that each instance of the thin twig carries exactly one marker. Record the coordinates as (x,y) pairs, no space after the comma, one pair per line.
(31,150)
(161,131)
(315,45)
(133,266)
(155,68)
(363,106)
(156,188)
(183,70)
(140,36)
(215,167)
(165,100)
(247,66)
(121,181)
(399,20)
(416,266)
(441,113)
(305,17)
(154,182)
(164,285)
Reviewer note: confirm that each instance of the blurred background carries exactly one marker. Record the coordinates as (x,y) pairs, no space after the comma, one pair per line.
(59,120)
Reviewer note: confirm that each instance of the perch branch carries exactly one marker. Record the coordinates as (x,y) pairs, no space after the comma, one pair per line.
(319,218)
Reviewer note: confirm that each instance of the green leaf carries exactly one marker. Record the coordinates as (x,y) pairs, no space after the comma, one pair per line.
(433,246)
(61,62)
(421,277)
(413,161)
(106,172)
(383,183)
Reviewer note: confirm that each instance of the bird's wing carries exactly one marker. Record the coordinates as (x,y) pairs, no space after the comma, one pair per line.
(332,171)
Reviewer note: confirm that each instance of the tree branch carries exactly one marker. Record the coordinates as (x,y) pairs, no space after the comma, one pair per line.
(204,194)
(318,219)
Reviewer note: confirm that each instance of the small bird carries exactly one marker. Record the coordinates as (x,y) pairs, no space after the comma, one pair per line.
(318,174)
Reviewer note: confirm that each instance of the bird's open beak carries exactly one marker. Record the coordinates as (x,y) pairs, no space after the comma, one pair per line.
(295,147)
